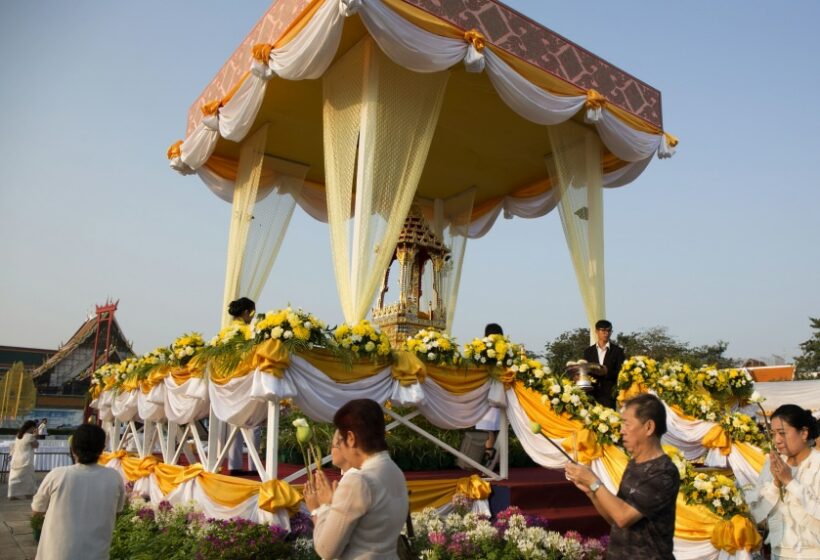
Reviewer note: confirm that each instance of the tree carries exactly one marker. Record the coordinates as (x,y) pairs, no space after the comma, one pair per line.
(809,360)
(567,346)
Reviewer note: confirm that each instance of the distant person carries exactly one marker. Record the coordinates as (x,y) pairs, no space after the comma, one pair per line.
(21,470)
(610,357)
(80,502)
(787,493)
(242,311)
(491,421)
(42,429)
(642,514)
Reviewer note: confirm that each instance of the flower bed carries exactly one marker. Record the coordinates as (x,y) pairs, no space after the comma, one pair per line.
(510,536)
(145,531)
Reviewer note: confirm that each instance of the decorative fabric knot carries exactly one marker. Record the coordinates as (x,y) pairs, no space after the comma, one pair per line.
(595,103)
(211,122)
(277,494)
(716,438)
(739,533)
(476,39)
(473,487)
(211,108)
(261,52)
(262,70)
(174,151)
(349,7)
(586,446)
(408,369)
(668,145)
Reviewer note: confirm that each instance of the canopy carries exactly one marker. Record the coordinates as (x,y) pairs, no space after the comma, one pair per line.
(490,133)
(367,106)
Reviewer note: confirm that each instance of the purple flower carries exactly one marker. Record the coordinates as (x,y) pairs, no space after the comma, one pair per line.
(145,514)
(437,538)
(165,506)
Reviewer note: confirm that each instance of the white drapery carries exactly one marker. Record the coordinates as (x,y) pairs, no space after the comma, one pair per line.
(374,130)
(575,170)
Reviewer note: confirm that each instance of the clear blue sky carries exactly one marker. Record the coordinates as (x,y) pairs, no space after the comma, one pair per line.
(719,242)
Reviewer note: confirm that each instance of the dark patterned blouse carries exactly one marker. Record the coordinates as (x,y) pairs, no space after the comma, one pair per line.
(650,487)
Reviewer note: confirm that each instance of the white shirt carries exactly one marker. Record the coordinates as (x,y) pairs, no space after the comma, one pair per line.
(794,521)
(367,514)
(601,352)
(22,454)
(42,430)
(81,504)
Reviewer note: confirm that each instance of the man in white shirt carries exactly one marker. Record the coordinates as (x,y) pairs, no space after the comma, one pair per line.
(80,502)
(610,357)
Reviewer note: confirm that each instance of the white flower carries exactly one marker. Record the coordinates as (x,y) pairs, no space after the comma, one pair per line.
(369,347)
(756,398)
(276,332)
(716,503)
(300,423)
(287,334)
(307,325)
(603,428)
(431,356)
(491,353)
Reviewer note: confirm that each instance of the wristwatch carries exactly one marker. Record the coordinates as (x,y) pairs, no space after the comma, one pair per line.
(594,486)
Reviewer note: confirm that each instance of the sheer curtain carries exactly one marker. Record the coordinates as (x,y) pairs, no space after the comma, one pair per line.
(373,128)
(451,222)
(251,158)
(260,215)
(575,169)
(272,213)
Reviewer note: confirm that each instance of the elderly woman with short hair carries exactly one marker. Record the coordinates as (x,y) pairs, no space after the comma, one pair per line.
(361,516)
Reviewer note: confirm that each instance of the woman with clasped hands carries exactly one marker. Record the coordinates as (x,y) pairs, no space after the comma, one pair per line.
(787,493)
(361,516)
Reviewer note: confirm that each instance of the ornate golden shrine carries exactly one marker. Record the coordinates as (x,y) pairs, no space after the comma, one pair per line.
(417,247)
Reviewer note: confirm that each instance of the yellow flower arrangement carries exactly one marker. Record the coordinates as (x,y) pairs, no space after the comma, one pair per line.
(637,370)
(492,350)
(362,340)
(292,327)
(186,347)
(741,428)
(715,491)
(532,372)
(237,330)
(434,347)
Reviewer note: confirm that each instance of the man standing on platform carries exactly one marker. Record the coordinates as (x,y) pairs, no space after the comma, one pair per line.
(610,357)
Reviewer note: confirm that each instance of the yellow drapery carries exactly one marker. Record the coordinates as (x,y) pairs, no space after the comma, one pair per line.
(106,457)
(408,369)
(716,438)
(552,425)
(457,380)
(182,374)
(155,378)
(135,467)
(229,491)
(436,493)
(278,494)
(326,362)
(754,456)
(587,446)
(269,356)
(737,534)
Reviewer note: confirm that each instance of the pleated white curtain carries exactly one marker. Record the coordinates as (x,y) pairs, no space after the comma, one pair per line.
(576,173)
(375,130)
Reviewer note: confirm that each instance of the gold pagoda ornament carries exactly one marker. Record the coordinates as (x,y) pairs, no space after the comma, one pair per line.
(417,248)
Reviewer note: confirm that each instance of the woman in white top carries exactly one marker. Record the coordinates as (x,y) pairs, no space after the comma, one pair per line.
(80,502)
(21,473)
(787,493)
(361,516)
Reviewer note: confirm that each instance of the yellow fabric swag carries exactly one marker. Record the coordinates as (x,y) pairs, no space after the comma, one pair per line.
(436,493)
(737,534)
(278,494)
(408,369)
(716,438)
